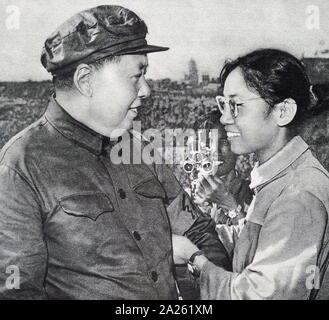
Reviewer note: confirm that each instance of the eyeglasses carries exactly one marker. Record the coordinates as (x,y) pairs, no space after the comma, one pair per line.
(222,102)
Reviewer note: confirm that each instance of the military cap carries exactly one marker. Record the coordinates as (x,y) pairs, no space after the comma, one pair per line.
(94,34)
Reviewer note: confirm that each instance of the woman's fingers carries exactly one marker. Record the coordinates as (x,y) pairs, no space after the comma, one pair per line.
(212,182)
(204,183)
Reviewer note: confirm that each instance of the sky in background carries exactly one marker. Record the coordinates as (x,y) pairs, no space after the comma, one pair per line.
(210,31)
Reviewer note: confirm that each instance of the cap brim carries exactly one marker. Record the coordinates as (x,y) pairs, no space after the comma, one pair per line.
(140,50)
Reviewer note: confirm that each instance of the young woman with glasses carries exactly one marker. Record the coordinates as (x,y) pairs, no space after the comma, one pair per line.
(206,185)
(281,251)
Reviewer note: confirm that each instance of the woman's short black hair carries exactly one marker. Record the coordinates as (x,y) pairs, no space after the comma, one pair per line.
(275,75)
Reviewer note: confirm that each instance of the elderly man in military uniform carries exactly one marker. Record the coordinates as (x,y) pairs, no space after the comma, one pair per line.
(76,225)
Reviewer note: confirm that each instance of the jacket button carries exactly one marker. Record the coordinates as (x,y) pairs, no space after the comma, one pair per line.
(122,194)
(154,276)
(137,236)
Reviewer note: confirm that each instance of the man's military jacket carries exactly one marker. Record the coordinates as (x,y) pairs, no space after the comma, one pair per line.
(74,225)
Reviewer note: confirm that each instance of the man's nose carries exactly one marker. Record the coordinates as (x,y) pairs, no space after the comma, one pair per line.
(226,117)
(145,90)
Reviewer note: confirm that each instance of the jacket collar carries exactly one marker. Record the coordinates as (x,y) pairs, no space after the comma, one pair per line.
(73,129)
(261,175)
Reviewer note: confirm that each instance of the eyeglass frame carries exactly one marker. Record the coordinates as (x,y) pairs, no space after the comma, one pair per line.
(234,113)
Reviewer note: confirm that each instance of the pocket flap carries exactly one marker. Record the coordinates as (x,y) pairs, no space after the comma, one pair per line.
(150,188)
(87,205)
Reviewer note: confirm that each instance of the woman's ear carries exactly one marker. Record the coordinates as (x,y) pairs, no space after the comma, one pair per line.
(285,111)
(82,79)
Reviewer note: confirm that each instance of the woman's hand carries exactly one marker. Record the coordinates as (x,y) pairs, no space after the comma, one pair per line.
(183,249)
(211,188)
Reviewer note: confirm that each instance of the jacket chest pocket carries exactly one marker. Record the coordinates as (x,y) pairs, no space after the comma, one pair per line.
(150,188)
(246,246)
(82,223)
(89,205)
(151,217)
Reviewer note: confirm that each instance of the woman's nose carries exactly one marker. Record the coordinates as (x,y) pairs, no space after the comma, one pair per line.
(226,117)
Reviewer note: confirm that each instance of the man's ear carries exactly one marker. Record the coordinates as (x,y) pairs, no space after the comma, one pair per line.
(82,79)
(285,111)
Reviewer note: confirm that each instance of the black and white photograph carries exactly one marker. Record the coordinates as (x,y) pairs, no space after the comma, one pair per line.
(164,150)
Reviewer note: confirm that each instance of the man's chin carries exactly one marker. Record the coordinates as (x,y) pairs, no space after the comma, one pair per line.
(125,126)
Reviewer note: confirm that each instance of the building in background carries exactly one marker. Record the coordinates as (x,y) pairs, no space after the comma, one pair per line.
(193,74)
(205,79)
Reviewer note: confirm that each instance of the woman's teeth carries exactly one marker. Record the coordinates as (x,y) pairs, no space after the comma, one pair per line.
(233,134)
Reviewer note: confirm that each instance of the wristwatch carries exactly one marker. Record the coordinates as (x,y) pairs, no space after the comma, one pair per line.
(193,268)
